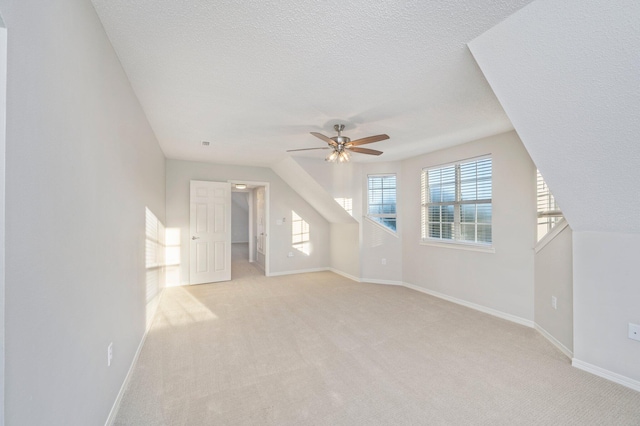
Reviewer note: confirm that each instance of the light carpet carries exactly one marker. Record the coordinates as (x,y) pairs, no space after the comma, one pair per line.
(320,349)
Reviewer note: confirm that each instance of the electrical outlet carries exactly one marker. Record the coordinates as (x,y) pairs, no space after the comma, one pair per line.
(554,302)
(290,254)
(384,261)
(109,354)
(634,331)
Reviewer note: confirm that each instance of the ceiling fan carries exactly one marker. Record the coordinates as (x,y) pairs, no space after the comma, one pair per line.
(342,146)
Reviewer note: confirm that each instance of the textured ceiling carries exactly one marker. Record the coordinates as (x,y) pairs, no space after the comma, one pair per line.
(255,77)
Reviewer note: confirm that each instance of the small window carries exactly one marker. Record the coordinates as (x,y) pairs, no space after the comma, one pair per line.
(456,202)
(382,200)
(549,214)
(346,204)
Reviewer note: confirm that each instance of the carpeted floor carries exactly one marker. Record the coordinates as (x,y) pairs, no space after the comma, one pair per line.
(319,349)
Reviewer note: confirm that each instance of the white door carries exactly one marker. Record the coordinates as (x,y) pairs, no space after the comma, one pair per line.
(210,224)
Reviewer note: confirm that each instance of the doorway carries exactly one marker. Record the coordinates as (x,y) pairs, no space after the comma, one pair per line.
(249,223)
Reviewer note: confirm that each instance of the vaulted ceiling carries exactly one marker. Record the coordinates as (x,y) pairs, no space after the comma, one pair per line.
(253,78)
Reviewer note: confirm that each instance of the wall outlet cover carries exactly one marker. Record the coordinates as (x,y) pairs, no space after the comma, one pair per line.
(634,332)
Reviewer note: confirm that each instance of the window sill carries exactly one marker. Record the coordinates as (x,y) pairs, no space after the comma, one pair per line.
(459,246)
(381,226)
(551,235)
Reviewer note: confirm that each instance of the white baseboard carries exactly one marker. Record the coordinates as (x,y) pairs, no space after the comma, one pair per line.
(116,404)
(344,274)
(385,282)
(297,271)
(555,342)
(127,378)
(490,311)
(606,374)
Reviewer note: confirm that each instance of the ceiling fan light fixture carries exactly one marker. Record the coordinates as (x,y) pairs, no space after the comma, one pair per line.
(331,158)
(341,146)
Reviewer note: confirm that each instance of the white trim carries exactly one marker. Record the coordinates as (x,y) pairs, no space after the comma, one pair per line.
(386,282)
(127,379)
(384,228)
(267,227)
(551,235)
(458,245)
(297,271)
(490,311)
(3,203)
(344,274)
(606,374)
(554,341)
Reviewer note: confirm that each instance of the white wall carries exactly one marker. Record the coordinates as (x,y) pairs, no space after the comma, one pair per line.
(554,277)
(81,165)
(606,294)
(310,188)
(283,200)
(340,180)
(502,281)
(344,252)
(239,217)
(566,73)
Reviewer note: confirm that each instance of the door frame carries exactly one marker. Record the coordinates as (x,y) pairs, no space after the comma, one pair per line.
(267,195)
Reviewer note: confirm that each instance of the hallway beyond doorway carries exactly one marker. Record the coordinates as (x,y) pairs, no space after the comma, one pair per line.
(240,265)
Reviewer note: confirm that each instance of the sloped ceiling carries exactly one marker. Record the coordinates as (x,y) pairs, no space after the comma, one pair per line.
(255,77)
(568,75)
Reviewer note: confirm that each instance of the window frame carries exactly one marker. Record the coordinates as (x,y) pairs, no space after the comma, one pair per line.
(374,216)
(456,241)
(548,213)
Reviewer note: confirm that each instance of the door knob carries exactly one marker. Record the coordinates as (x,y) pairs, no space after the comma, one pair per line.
(195,238)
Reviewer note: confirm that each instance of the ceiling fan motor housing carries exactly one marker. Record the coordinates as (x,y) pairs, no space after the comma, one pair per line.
(341,140)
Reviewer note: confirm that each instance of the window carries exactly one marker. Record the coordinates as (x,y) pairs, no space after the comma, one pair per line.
(346,203)
(456,202)
(300,234)
(549,214)
(382,200)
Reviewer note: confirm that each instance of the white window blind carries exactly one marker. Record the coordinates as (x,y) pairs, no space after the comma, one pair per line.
(382,200)
(549,214)
(457,203)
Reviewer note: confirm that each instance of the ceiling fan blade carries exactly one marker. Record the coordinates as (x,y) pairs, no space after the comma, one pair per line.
(306,149)
(365,151)
(369,139)
(324,138)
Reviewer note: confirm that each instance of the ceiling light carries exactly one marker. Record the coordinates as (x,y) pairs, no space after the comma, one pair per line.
(240,186)
(338,155)
(332,157)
